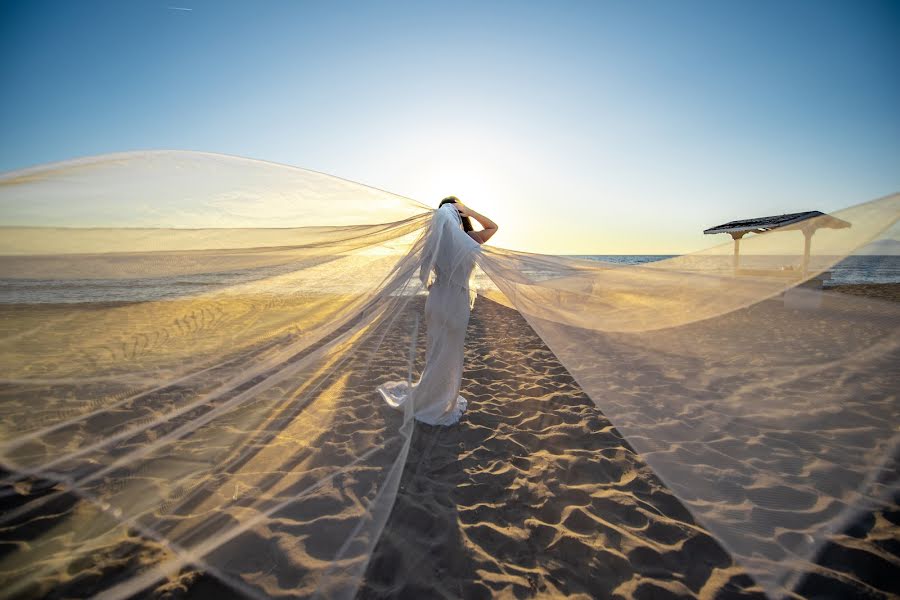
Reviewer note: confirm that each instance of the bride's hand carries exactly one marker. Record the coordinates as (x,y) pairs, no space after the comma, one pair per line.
(462,208)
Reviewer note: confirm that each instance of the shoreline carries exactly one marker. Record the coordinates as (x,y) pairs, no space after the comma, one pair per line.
(884,291)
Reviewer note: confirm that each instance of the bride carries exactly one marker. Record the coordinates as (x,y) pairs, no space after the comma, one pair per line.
(447,263)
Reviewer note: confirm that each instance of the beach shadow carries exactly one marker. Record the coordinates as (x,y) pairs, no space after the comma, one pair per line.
(534,493)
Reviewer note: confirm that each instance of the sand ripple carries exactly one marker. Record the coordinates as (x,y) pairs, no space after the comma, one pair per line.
(535,494)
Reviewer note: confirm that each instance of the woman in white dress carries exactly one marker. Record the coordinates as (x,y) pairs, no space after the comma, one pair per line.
(447,262)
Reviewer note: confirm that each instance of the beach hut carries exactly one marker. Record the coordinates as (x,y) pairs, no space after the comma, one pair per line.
(806,222)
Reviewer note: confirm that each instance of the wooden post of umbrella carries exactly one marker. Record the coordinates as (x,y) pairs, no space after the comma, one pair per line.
(736,236)
(807,243)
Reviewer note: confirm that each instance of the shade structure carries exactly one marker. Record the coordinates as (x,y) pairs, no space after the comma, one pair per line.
(806,222)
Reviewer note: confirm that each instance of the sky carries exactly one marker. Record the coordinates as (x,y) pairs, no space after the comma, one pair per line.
(581,128)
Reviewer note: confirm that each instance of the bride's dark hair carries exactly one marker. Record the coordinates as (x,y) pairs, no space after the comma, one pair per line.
(466,221)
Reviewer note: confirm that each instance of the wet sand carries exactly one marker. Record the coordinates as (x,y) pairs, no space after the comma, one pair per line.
(884,291)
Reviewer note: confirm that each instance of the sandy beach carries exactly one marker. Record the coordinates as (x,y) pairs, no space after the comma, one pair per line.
(533,494)
(650,250)
(884,291)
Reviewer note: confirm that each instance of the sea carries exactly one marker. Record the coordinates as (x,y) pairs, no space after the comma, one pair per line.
(852,270)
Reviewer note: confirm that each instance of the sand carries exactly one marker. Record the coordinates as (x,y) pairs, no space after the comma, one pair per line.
(535,494)
(885,291)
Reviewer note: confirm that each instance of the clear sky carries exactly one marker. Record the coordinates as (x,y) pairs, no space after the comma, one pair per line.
(596,127)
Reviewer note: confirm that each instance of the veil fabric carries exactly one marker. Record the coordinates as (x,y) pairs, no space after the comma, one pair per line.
(446,271)
(192,346)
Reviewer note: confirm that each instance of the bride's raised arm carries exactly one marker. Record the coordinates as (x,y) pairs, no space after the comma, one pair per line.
(490,228)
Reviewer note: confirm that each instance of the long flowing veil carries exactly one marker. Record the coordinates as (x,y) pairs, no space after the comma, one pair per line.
(446,269)
(191,346)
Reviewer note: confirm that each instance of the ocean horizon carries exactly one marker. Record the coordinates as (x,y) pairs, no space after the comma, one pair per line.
(861,269)
(856,269)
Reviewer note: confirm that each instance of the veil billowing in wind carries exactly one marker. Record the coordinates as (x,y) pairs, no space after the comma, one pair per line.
(446,270)
(189,346)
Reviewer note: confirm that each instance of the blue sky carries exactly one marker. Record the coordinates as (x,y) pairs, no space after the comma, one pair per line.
(598,127)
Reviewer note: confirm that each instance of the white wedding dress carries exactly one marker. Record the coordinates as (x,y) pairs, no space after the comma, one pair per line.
(447,263)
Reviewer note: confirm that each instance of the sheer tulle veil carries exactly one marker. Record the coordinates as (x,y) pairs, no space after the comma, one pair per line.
(446,272)
(189,345)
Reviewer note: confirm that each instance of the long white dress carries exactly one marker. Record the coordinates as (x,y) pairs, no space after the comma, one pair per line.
(448,257)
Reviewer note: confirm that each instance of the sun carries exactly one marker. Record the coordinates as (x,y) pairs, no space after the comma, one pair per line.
(476,164)
(463,171)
